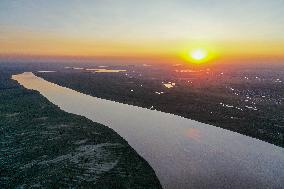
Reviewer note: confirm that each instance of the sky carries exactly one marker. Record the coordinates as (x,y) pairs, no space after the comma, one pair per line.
(135,28)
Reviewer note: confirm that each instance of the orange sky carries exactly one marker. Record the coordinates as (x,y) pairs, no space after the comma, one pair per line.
(52,45)
(167,30)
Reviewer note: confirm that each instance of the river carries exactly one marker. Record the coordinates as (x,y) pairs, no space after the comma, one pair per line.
(184,153)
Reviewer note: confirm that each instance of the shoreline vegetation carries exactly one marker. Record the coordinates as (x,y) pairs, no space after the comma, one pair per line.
(45,147)
(206,105)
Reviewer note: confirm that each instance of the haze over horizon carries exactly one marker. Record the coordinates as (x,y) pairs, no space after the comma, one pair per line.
(156,29)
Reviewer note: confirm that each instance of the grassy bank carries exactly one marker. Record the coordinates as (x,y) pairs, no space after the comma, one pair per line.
(42,146)
(193,102)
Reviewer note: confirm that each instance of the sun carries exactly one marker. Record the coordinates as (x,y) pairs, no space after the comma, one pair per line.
(198,54)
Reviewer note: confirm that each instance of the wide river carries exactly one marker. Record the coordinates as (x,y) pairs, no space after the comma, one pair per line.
(184,153)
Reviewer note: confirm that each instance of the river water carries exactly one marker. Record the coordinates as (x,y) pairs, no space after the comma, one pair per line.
(184,153)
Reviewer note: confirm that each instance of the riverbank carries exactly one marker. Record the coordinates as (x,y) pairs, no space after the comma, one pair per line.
(184,153)
(42,146)
(251,107)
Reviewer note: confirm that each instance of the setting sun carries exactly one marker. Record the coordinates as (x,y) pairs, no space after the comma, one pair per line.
(198,54)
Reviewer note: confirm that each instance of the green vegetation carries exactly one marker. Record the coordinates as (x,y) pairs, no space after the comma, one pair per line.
(198,101)
(42,146)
